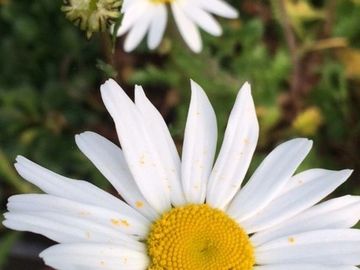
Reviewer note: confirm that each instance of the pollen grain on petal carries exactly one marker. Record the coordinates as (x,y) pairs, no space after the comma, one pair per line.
(120,222)
(139,204)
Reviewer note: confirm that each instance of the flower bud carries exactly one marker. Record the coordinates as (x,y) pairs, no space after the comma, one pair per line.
(92,15)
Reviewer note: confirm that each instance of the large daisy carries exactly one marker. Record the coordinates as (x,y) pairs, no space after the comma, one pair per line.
(150,16)
(189,214)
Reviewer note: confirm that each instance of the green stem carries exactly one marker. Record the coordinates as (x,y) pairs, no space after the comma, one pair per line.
(10,176)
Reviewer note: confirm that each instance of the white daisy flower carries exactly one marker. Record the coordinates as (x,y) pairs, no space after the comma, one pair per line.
(150,17)
(189,214)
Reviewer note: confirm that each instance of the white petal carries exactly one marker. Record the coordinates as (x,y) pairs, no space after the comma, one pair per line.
(132,15)
(139,150)
(65,229)
(269,179)
(338,213)
(302,178)
(199,145)
(329,247)
(291,203)
(202,19)
(47,203)
(164,144)
(187,28)
(157,27)
(77,190)
(219,7)
(94,257)
(110,161)
(126,4)
(138,31)
(237,149)
(304,267)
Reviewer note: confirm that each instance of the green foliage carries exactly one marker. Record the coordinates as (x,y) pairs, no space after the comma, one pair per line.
(47,83)
(5,244)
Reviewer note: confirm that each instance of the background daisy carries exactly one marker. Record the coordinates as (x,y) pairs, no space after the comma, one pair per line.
(189,214)
(150,17)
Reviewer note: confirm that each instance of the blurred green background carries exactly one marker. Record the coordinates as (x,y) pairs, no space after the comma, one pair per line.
(301,57)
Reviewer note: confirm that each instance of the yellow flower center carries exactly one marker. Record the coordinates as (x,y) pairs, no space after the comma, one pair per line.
(161,1)
(198,237)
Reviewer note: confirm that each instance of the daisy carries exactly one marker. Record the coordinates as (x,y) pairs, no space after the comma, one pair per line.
(189,214)
(150,16)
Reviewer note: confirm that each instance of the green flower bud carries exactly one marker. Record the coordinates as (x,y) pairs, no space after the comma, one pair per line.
(92,15)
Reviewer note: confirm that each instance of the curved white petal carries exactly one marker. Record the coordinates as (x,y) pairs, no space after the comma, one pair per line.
(157,27)
(35,203)
(65,229)
(329,247)
(126,4)
(159,134)
(338,213)
(219,7)
(94,256)
(199,145)
(302,178)
(110,161)
(138,31)
(132,13)
(139,150)
(187,28)
(203,19)
(291,203)
(304,267)
(76,190)
(269,179)
(237,149)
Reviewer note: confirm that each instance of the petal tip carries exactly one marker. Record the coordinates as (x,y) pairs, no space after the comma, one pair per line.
(196,48)
(347,173)
(139,89)
(246,88)
(109,81)
(19,158)
(193,84)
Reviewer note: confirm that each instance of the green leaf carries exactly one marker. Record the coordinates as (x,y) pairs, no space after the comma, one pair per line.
(6,242)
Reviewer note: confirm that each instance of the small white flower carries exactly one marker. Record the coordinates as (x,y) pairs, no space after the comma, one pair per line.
(150,17)
(189,214)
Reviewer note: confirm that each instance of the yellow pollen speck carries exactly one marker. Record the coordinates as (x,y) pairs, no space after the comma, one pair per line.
(84,213)
(198,237)
(139,204)
(125,223)
(117,222)
(142,160)
(291,240)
